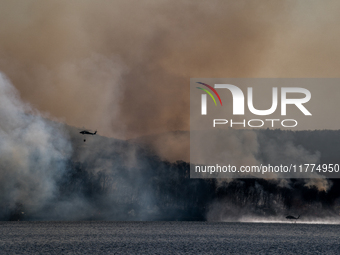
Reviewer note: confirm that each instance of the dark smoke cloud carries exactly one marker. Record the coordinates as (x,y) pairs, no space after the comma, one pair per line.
(49,173)
(124,66)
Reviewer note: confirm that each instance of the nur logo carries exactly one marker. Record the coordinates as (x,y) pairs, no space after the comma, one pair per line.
(239,99)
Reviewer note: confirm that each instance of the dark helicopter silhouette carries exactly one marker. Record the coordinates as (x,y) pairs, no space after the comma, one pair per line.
(85,132)
(290,217)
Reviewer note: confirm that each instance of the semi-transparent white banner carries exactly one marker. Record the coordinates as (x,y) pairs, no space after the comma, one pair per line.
(264,128)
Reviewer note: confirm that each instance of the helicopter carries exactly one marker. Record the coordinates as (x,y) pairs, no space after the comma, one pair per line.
(85,132)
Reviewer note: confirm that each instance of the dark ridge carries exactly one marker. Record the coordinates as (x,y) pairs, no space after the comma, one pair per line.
(118,180)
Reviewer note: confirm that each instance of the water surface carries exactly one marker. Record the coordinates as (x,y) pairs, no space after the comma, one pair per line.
(167,238)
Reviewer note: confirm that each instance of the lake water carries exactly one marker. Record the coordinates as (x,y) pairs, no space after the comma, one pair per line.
(168,238)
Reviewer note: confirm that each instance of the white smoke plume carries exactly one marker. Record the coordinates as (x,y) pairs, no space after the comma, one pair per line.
(33,152)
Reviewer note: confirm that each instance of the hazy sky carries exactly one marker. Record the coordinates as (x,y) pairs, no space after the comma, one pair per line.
(124,67)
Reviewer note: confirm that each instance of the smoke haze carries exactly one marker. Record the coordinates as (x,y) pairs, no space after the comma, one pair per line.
(33,152)
(123,67)
(49,173)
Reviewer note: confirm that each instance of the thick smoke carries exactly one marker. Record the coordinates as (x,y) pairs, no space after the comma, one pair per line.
(33,153)
(76,59)
(123,67)
(49,173)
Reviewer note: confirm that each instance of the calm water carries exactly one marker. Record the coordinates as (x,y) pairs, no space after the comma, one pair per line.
(167,238)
